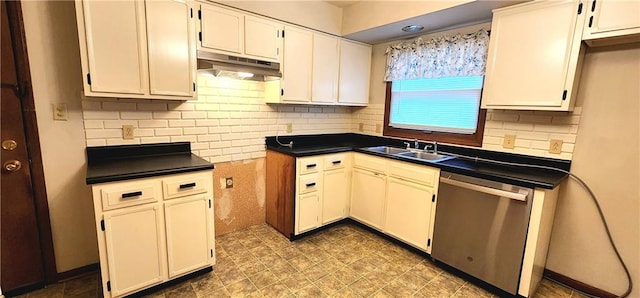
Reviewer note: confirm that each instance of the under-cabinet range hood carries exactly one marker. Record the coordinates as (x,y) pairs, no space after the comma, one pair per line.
(221,65)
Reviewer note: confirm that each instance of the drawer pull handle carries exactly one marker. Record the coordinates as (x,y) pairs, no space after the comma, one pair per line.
(337,162)
(313,165)
(311,184)
(131,194)
(187,185)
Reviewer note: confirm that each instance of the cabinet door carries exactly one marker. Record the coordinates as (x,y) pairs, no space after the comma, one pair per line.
(222,29)
(188,223)
(612,18)
(171,47)
(324,83)
(262,38)
(114,35)
(408,212)
(367,197)
(308,210)
(135,248)
(533,67)
(334,195)
(296,65)
(355,69)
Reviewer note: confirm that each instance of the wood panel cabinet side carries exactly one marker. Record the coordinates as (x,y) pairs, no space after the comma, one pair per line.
(280,191)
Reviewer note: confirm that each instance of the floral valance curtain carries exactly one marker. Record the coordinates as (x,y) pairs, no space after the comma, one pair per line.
(456,56)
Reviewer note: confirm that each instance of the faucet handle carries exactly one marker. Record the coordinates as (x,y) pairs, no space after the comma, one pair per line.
(407,144)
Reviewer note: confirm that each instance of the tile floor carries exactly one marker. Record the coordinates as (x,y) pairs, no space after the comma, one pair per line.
(343,261)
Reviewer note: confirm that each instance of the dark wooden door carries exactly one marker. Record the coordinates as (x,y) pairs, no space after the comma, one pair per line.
(21,259)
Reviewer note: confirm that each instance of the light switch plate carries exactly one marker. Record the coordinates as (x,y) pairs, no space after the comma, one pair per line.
(127,132)
(60,112)
(289,128)
(378,128)
(360,127)
(509,141)
(555,146)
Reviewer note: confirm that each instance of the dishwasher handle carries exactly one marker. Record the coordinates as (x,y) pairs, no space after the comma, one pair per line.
(488,190)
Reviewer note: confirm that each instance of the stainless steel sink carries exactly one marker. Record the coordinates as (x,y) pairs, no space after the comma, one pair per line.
(387,150)
(432,157)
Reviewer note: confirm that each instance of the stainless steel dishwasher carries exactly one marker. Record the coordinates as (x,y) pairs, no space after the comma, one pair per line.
(481,228)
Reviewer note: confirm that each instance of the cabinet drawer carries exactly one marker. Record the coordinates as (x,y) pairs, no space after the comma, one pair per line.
(417,173)
(309,165)
(128,194)
(184,185)
(308,183)
(364,161)
(334,161)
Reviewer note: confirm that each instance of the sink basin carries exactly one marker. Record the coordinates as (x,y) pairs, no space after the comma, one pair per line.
(387,150)
(425,156)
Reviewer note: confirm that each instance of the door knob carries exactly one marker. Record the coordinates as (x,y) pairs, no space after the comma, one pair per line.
(12,165)
(9,145)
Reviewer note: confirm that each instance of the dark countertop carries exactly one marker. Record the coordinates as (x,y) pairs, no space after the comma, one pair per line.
(516,175)
(116,163)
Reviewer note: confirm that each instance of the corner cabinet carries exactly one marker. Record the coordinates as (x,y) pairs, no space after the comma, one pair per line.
(321,69)
(612,22)
(152,230)
(535,67)
(137,49)
(305,193)
(355,73)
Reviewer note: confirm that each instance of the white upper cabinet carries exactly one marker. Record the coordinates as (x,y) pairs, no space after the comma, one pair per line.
(113,43)
(296,65)
(326,55)
(534,67)
(171,47)
(355,68)
(126,48)
(235,33)
(221,29)
(262,38)
(612,21)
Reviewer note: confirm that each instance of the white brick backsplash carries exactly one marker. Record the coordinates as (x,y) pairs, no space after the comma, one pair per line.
(229,121)
(138,115)
(117,142)
(103,133)
(182,123)
(152,123)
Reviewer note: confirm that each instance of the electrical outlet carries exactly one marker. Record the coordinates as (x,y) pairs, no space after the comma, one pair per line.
(555,146)
(289,128)
(60,112)
(228,182)
(509,141)
(127,132)
(378,128)
(360,127)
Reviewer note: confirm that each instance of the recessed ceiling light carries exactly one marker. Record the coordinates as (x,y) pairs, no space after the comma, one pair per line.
(412,28)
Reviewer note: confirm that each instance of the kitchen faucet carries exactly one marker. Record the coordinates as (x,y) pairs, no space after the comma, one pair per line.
(435,147)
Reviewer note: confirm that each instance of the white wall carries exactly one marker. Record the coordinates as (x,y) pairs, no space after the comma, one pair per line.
(52,46)
(607,157)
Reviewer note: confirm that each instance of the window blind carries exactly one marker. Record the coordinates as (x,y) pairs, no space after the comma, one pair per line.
(441,104)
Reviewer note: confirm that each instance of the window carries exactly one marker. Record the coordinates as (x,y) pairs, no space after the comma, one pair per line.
(434,88)
(440,109)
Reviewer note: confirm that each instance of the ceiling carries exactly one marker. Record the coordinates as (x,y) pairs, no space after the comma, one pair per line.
(475,12)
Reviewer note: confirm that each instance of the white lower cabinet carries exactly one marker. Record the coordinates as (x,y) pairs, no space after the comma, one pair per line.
(367,197)
(322,188)
(408,215)
(188,223)
(335,195)
(134,248)
(147,236)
